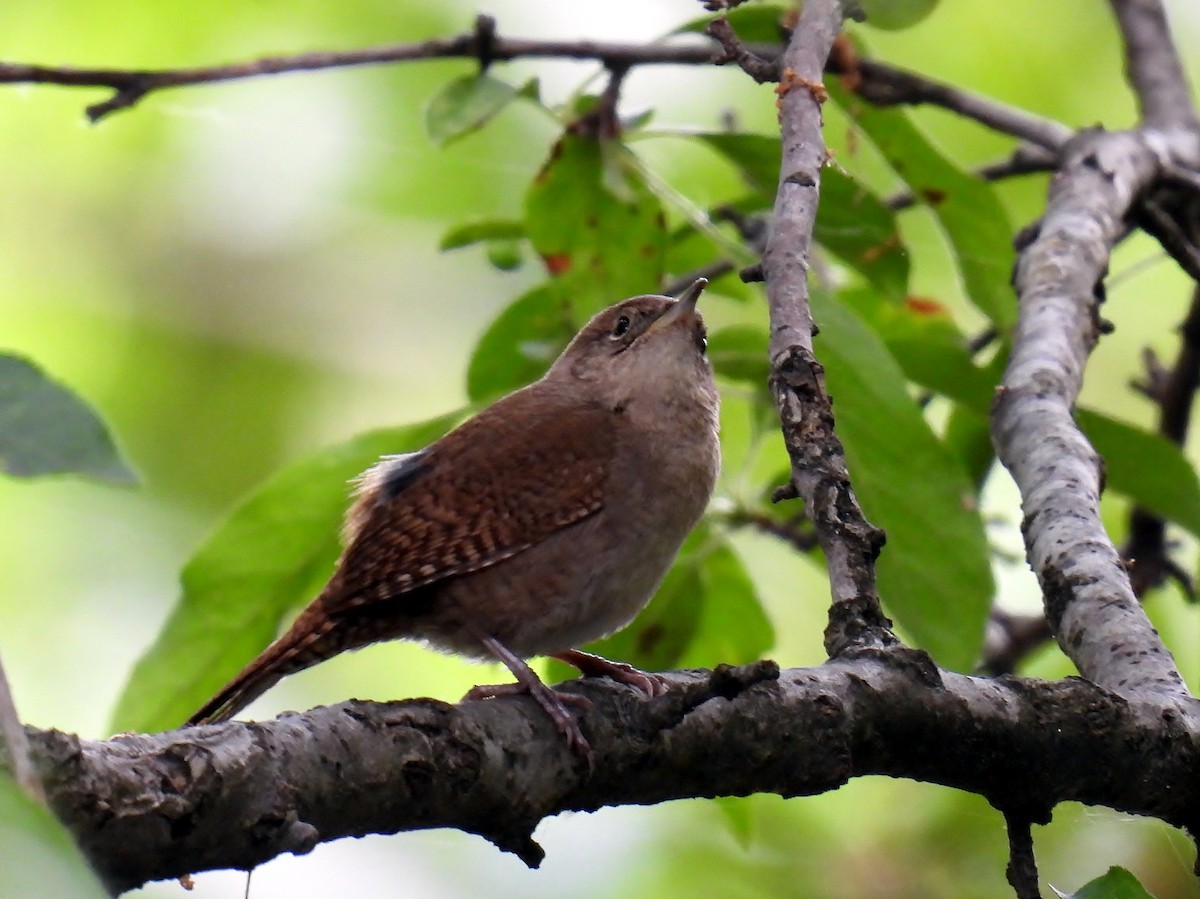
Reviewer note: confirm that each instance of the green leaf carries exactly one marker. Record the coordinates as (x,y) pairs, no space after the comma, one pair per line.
(705,612)
(971,215)
(466,104)
(269,556)
(596,223)
(1116,884)
(852,223)
(47,429)
(40,857)
(895,15)
(481,231)
(739,352)
(1146,467)
(928,345)
(519,345)
(934,574)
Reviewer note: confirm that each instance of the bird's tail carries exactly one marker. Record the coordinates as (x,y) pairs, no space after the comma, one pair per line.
(301,647)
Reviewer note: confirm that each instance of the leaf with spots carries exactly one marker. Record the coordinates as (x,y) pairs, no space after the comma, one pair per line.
(596,223)
(967,207)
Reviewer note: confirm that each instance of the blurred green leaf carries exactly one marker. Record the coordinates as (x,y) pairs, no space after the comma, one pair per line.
(706,611)
(40,858)
(934,574)
(1141,465)
(519,345)
(739,352)
(597,225)
(466,104)
(1116,884)
(894,15)
(1146,467)
(505,255)
(481,231)
(47,429)
(970,213)
(268,557)
(968,436)
(852,223)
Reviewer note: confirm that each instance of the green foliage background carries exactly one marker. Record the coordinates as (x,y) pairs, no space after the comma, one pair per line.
(237,276)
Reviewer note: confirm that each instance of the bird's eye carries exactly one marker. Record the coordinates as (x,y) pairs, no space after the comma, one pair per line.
(621,326)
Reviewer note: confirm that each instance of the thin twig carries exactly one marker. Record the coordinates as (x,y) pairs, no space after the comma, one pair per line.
(1022,870)
(15,744)
(131,85)
(760,68)
(1174,392)
(1153,66)
(885,85)
(790,532)
(1025,160)
(710,272)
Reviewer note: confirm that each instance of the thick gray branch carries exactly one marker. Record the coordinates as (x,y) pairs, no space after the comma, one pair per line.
(1089,602)
(1153,66)
(235,795)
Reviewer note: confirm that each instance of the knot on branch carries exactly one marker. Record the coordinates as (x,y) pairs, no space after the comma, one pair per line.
(730,681)
(858,626)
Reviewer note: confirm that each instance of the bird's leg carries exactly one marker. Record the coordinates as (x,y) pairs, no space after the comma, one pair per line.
(551,701)
(597,666)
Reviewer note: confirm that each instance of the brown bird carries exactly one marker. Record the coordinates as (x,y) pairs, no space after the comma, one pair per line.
(544,522)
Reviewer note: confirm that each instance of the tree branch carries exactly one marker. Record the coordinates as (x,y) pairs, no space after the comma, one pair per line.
(819,476)
(1152,65)
(1022,866)
(885,85)
(1089,601)
(146,807)
(14,747)
(130,86)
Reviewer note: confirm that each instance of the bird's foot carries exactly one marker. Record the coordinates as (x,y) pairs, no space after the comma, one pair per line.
(597,666)
(553,703)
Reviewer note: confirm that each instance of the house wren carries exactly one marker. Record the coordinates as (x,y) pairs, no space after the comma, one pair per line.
(544,522)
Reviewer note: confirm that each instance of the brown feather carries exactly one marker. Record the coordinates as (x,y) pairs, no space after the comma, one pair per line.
(493,487)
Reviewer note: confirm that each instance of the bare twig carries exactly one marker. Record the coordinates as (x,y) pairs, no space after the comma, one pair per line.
(131,85)
(1174,393)
(710,272)
(819,475)
(1022,865)
(759,68)
(1025,160)
(1156,222)
(885,85)
(15,745)
(791,532)
(1089,601)
(1009,638)
(1153,66)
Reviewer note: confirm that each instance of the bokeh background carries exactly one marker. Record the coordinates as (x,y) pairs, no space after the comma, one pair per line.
(236,275)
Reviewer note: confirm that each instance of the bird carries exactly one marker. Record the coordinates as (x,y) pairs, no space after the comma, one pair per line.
(544,522)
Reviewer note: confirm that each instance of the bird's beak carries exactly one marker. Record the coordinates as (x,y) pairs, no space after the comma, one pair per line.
(685,304)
